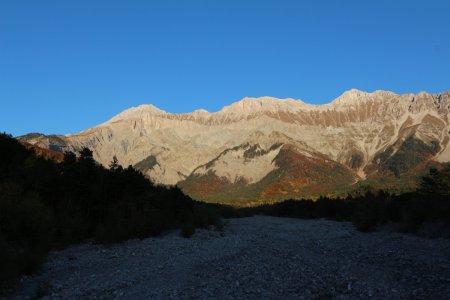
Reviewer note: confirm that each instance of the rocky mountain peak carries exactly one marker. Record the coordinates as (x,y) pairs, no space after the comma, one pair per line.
(138,112)
(423,94)
(355,96)
(249,105)
(200,112)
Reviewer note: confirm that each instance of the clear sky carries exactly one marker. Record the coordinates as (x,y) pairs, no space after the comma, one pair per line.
(69,65)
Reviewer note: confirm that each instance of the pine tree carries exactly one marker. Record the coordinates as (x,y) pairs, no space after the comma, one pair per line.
(114,165)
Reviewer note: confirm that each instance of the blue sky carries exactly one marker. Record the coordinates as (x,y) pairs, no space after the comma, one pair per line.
(68,65)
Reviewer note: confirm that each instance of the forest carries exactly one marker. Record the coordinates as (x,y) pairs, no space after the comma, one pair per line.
(47,205)
(425,211)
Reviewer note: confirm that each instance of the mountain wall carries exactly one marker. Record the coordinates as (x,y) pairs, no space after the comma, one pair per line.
(267,148)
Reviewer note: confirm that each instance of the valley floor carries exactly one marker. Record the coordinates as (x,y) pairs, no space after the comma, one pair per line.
(256,258)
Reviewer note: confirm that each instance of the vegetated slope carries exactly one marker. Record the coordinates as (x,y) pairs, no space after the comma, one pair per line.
(44,152)
(374,135)
(45,204)
(52,142)
(293,173)
(425,211)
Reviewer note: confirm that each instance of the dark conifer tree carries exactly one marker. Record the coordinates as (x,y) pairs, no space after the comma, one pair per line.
(69,158)
(114,165)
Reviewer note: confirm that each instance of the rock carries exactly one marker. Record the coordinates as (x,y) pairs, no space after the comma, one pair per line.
(259,258)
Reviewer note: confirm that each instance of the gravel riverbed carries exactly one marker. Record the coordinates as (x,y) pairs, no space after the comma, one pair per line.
(254,258)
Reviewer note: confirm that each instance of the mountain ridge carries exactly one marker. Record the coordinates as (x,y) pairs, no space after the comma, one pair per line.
(352,96)
(360,134)
(246,101)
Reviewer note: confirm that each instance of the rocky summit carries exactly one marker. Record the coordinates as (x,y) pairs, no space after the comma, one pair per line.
(266,149)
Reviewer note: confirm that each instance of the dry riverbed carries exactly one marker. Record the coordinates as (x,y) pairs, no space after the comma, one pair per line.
(254,258)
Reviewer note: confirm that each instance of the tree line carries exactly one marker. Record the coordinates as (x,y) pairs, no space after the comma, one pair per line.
(426,209)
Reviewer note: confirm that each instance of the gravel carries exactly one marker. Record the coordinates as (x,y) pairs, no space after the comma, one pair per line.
(254,258)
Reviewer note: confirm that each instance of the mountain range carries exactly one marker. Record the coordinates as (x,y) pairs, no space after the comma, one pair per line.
(267,149)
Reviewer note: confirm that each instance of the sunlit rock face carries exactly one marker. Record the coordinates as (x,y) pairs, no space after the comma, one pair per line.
(271,148)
